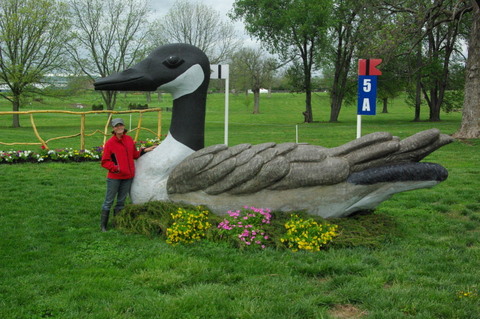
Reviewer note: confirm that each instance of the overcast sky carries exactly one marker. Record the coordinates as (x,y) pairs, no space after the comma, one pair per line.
(222,6)
(161,7)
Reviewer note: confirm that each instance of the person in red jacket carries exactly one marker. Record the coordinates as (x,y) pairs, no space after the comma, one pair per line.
(118,158)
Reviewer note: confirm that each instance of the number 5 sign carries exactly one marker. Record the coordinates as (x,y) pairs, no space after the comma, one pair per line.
(367,95)
(367,89)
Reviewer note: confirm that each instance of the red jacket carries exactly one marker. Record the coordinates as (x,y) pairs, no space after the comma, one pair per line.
(118,156)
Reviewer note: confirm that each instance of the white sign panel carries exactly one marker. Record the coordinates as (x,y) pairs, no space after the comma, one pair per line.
(219,71)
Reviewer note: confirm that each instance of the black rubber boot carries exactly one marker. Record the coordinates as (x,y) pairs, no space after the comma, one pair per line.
(104,220)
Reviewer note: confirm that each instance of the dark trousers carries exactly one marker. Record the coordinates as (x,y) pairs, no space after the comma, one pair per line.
(119,188)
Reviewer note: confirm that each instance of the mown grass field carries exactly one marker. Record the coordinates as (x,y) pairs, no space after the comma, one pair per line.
(55,263)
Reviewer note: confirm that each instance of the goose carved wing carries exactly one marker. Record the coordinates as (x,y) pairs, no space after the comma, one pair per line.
(245,168)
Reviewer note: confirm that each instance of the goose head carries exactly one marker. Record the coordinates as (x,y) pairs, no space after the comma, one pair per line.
(180,69)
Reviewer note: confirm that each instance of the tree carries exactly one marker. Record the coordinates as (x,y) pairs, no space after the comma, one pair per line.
(254,70)
(435,33)
(199,25)
(470,127)
(32,37)
(346,35)
(109,36)
(295,29)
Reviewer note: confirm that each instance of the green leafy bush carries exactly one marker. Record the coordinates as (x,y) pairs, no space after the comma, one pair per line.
(155,218)
(137,106)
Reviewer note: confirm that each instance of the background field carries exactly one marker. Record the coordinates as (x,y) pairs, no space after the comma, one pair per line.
(277,122)
(54,261)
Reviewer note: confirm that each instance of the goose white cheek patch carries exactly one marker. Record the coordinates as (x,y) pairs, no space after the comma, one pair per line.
(185,83)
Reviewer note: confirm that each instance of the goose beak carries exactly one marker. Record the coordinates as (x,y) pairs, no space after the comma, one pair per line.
(128,80)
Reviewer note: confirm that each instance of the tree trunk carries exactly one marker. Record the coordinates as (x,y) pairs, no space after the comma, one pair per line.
(338,93)
(418,89)
(307,68)
(385,105)
(342,65)
(16,108)
(308,116)
(335,106)
(110,98)
(434,106)
(336,98)
(470,127)
(256,101)
(418,100)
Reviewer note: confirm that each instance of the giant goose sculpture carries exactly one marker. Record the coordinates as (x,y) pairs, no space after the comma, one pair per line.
(333,182)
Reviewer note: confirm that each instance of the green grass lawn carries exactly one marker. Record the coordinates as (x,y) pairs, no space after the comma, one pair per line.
(55,262)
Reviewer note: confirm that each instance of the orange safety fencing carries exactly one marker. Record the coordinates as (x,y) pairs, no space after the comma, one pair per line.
(82,134)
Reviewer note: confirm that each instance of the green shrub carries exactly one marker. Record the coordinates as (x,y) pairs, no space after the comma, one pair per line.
(153,218)
(137,106)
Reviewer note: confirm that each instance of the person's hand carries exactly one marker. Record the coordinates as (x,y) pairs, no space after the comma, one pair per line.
(151,148)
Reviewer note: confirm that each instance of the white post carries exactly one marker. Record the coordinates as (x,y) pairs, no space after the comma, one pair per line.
(296,133)
(226,108)
(130,125)
(219,71)
(359,126)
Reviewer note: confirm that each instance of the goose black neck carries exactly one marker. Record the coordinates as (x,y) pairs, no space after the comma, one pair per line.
(188,118)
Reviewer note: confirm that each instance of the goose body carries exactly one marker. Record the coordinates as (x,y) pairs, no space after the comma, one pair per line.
(329,182)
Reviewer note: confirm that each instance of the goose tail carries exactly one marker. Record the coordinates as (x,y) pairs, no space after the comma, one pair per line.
(383,149)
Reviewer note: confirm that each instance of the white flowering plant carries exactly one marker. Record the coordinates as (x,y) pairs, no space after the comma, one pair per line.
(44,155)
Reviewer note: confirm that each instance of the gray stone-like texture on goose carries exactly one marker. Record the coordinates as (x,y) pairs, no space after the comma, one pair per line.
(356,176)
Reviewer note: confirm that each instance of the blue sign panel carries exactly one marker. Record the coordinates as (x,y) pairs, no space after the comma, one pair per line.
(367,95)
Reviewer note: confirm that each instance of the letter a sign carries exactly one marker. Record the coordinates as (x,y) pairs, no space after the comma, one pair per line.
(367,95)
(367,86)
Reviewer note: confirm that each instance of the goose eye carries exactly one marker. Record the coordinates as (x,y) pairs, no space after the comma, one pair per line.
(173,61)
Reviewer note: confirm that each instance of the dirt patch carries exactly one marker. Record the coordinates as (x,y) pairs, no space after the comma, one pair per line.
(346,312)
